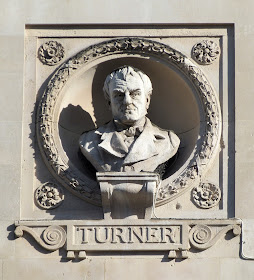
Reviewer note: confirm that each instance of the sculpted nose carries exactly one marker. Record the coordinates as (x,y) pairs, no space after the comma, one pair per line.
(127,98)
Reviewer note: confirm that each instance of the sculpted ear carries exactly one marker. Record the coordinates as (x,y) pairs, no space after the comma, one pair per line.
(109,105)
(148,99)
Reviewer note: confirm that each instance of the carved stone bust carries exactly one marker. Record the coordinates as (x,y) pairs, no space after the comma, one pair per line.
(129,142)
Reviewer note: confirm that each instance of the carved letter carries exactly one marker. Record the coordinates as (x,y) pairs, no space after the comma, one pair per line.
(98,235)
(121,235)
(85,234)
(168,232)
(138,232)
(152,235)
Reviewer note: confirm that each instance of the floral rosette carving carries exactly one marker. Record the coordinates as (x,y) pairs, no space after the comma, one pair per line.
(206,195)
(51,53)
(49,196)
(78,182)
(205,52)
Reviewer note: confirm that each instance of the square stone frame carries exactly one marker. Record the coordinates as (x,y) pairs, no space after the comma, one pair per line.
(222,80)
(36,35)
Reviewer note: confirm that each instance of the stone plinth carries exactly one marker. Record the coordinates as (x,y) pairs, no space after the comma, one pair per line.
(127,194)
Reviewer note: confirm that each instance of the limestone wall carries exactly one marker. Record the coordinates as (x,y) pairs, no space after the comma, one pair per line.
(22,169)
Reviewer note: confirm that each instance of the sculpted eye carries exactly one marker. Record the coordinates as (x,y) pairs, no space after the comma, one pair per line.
(135,93)
(118,94)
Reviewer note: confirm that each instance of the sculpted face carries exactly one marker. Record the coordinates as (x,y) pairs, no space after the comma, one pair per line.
(129,102)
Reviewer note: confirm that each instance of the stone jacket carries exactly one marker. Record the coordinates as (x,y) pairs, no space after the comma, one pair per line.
(106,150)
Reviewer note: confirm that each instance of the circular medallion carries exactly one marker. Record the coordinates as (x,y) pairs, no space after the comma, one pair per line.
(205,52)
(206,195)
(49,196)
(51,53)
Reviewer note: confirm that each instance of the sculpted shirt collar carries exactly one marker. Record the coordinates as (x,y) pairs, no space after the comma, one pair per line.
(144,146)
(130,130)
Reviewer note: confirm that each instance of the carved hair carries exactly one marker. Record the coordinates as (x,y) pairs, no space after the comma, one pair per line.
(122,73)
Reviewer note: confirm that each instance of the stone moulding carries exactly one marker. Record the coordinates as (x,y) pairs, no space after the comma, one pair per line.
(176,237)
(77,182)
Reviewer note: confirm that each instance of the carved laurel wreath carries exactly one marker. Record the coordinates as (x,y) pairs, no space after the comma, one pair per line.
(79,183)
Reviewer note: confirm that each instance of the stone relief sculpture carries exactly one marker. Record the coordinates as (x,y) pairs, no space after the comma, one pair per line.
(49,196)
(206,195)
(130,142)
(78,182)
(205,52)
(51,53)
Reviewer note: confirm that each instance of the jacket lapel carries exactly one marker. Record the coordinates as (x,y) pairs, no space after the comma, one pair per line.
(144,147)
(112,143)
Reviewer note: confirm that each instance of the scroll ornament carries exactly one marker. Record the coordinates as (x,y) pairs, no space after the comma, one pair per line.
(201,236)
(53,237)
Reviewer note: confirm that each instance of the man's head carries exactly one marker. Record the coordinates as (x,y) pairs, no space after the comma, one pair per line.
(128,91)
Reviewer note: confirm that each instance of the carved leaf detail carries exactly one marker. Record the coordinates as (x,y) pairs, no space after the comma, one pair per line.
(49,196)
(205,52)
(51,53)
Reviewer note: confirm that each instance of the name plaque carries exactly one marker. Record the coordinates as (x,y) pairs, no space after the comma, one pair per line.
(133,237)
(173,236)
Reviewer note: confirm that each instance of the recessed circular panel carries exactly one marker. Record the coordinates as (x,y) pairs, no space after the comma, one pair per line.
(183,100)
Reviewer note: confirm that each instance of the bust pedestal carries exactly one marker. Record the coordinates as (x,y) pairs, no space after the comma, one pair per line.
(127,195)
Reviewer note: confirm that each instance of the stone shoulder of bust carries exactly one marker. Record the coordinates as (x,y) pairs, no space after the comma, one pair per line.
(130,142)
(174,139)
(106,150)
